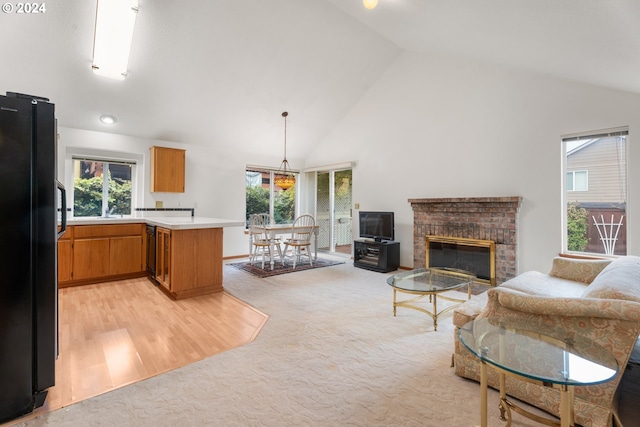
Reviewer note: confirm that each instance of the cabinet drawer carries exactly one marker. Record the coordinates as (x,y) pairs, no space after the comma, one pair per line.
(68,233)
(107,230)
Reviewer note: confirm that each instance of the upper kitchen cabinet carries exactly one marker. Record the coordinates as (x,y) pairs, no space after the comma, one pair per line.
(167,170)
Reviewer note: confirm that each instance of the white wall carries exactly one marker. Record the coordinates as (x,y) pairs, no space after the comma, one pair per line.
(430,127)
(214,180)
(443,127)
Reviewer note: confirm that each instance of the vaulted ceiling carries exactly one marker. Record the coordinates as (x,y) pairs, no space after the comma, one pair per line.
(221,72)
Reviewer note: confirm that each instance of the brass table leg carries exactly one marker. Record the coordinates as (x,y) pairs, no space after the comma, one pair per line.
(483,394)
(435,312)
(504,408)
(394,302)
(566,405)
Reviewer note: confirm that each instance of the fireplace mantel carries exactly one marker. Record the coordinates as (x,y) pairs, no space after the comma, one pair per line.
(486,218)
(468,202)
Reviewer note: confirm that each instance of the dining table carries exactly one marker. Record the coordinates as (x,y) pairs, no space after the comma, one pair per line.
(275,230)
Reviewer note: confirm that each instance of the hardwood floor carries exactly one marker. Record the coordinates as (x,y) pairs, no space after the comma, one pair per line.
(117,333)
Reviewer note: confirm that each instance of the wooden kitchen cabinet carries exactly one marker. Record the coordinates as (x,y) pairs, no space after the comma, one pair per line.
(100,253)
(90,258)
(65,256)
(163,257)
(188,261)
(125,255)
(167,170)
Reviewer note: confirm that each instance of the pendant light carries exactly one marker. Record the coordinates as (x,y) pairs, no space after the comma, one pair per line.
(285,178)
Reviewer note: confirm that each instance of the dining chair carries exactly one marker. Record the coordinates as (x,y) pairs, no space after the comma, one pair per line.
(268,221)
(260,240)
(300,240)
(266,218)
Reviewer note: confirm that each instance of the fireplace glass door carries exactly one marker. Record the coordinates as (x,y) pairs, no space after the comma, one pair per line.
(468,255)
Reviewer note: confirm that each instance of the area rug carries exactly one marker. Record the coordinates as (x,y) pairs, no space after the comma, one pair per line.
(257,269)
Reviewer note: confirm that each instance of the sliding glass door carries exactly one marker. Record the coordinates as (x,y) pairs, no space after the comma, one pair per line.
(333,207)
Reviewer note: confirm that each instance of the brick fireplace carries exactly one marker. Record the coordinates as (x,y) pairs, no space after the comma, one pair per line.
(484,218)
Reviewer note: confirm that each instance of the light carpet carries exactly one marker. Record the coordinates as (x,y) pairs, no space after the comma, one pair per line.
(331,354)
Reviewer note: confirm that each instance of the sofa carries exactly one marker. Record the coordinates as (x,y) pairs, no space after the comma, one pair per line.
(597,298)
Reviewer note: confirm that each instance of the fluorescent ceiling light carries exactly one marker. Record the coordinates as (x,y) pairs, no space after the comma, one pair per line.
(115,20)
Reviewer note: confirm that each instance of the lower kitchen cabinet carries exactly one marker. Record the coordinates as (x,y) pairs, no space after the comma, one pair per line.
(90,258)
(125,255)
(65,257)
(91,254)
(188,262)
(163,257)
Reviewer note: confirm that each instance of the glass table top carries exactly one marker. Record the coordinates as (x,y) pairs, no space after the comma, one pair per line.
(515,346)
(430,280)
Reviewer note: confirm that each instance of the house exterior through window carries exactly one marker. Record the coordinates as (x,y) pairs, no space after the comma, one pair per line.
(595,192)
(577,181)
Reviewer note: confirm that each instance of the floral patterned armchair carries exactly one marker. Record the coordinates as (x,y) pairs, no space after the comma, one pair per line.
(599,299)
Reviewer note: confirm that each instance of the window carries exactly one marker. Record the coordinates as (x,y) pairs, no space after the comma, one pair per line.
(263,196)
(595,192)
(94,196)
(577,181)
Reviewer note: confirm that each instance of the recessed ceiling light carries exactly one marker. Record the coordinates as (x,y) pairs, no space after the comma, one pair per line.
(108,119)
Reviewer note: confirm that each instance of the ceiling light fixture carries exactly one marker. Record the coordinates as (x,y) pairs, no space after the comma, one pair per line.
(285,178)
(370,4)
(108,119)
(115,20)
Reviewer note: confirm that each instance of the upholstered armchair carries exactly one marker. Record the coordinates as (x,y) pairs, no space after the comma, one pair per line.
(606,310)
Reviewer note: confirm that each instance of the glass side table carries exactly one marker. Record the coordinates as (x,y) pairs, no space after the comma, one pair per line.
(429,282)
(513,347)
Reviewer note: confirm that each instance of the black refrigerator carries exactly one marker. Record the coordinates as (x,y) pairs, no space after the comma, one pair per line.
(33,216)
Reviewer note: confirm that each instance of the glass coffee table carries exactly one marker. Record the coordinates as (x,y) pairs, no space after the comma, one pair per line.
(517,347)
(429,282)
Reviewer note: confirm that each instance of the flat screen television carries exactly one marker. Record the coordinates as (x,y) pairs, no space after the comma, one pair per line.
(377,225)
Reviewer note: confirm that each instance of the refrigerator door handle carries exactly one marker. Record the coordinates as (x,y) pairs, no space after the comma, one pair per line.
(63,209)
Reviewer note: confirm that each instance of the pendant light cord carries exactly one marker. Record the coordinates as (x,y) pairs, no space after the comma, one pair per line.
(285,114)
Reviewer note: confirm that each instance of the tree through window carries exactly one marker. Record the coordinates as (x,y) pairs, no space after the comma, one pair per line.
(95,196)
(263,196)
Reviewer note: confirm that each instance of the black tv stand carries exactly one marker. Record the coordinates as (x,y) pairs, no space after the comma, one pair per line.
(382,256)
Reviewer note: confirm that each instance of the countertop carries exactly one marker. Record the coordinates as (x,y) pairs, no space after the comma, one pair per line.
(171,223)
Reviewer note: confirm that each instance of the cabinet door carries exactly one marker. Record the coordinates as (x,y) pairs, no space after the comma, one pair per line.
(65,258)
(90,258)
(196,258)
(125,255)
(167,170)
(163,257)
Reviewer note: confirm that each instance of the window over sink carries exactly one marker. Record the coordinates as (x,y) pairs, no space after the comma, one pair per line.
(102,187)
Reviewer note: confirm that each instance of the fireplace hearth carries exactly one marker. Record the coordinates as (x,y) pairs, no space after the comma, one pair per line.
(492,219)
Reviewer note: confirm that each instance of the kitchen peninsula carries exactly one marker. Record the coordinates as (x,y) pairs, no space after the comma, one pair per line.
(187,256)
